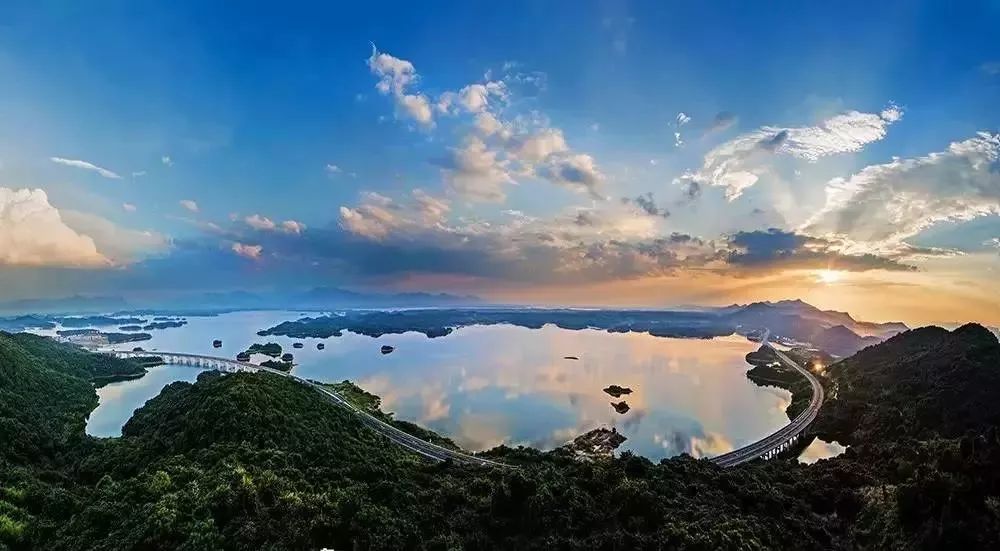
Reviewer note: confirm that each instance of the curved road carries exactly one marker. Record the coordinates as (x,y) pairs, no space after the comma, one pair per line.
(785,435)
(764,447)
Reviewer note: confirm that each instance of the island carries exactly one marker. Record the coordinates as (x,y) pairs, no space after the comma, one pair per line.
(272,349)
(164,325)
(570,358)
(96,321)
(119,338)
(92,337)
(386,349)
(320,346)
(789,320)
(620,407)
(596,444)
(217,343)
(617,391)
(297,345)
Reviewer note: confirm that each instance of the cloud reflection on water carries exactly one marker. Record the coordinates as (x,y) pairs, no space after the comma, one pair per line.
(487,385)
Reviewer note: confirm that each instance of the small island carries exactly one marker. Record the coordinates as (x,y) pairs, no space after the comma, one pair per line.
(297,345)
(272,349)
(386,349)
(243,357)
(621,407)
(595,444)
(119,338)
(320,346)
(217,343)
(287,357)
(617,391)
(164,325)
(570,358)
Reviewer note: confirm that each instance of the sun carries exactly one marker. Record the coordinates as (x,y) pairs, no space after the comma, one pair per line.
(829,276)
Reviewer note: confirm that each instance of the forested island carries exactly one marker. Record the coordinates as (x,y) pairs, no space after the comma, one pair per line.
(792,320)
(253,460)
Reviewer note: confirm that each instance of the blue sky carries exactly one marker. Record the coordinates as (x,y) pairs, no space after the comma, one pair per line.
(243,111)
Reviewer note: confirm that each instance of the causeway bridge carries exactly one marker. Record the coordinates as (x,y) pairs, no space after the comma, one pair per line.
(766,448)
(773,444)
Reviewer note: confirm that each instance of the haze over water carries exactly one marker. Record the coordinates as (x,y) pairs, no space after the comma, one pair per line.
(487,385)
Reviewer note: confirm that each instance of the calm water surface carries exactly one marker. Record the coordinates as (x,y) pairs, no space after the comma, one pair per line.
(487,385)
(820,449)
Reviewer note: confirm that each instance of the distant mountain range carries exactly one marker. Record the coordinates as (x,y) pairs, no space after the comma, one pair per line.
(835,332)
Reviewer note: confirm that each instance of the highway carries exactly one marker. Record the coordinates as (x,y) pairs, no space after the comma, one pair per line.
(782,439)
(765,448)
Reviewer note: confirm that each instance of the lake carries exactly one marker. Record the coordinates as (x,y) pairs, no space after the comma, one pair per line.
(487,385)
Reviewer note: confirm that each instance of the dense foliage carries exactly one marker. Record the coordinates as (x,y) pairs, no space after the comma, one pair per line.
(257,461)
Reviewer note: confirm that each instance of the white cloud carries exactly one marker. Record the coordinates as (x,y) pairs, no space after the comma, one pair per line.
(167,160)
(417,107)
(120,245)
(432,210)
(259,222)
(33,233)
(475,98)
(395,76)
(475,172)
(577,171)
(292,226)
(536,147)
(487,125)
(599,243)
(682,119)
(263,223)
(189,205)
(677,139)
(252,252)
(86,166)
(882,205)
(379,216)
(128,207)
(738,163)
(333,169)
(496,150)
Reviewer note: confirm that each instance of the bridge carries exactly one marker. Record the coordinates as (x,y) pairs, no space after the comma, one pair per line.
(766,448)
(772,445)
(397,436)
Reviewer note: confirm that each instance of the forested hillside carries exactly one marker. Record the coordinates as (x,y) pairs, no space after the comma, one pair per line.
(254,461)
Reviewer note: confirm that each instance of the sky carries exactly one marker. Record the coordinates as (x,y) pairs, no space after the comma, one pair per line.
(642,154)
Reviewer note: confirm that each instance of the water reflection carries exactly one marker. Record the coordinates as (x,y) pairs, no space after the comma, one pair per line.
(820,449)
(488,385)
(119,400)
